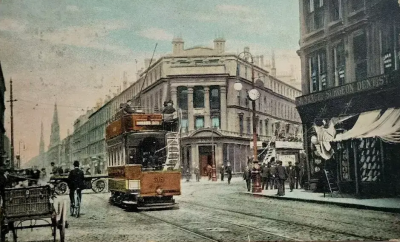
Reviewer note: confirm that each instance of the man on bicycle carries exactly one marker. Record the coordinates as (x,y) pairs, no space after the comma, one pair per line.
(75,182)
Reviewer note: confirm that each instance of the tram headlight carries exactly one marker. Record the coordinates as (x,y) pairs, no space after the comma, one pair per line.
(134,184)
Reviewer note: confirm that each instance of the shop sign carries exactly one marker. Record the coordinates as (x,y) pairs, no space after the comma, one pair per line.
(289,145)
(364,85)
(286,159)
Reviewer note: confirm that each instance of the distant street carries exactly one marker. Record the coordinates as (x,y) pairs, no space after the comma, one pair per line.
(216,211)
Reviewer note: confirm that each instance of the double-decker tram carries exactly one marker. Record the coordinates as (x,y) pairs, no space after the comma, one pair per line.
(143,160)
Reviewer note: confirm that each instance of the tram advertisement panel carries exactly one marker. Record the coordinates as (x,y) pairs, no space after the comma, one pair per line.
(131,172)
(168,182)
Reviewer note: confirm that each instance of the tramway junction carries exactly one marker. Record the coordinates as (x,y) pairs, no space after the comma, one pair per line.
(216,211)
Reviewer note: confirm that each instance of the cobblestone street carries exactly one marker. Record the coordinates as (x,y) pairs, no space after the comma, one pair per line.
(216,211)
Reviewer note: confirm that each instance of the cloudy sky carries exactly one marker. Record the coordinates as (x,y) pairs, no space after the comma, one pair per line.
(75,52)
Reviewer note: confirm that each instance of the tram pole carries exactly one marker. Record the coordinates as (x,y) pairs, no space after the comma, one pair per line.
(11,101)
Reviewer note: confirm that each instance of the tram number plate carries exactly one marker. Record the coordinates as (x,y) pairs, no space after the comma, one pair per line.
(158,179)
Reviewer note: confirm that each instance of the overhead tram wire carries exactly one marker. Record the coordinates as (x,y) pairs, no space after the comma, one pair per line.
(145,78)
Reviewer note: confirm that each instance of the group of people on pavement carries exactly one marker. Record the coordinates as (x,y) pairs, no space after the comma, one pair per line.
(208,169)
(274,175)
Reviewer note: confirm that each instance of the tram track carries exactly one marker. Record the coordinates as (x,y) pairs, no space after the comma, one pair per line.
(282,221)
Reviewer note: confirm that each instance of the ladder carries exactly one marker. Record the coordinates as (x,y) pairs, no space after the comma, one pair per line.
(173,151)
(330,181)
(270,152)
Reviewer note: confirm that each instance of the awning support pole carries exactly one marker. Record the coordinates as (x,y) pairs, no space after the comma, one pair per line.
(353,143)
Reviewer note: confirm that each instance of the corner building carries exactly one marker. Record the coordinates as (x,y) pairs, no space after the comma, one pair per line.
(215,118)
(349,53)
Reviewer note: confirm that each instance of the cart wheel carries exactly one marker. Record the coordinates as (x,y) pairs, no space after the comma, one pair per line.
(63,222)
(98,186)
(61,188)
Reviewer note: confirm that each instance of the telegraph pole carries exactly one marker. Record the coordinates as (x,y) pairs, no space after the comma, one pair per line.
(12,123)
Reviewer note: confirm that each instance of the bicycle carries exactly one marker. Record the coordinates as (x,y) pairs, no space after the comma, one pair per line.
(76,207)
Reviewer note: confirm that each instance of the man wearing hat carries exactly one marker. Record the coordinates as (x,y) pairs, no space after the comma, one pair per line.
(281,175)
(75,182)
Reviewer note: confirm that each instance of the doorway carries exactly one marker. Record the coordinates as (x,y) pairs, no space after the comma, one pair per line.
(205,158)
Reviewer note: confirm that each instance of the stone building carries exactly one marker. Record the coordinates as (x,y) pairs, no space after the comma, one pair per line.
(349,53)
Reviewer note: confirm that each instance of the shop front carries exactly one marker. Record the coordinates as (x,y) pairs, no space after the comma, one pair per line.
(353,132)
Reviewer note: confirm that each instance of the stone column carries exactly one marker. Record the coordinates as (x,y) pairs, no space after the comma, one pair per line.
(219,156)
(174,97)
(194,156)
(207,116)
(190,109)
(224,115)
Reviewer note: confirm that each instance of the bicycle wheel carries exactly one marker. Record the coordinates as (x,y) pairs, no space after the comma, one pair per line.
(77,204)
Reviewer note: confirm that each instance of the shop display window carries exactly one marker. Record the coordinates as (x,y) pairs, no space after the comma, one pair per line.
(369,160)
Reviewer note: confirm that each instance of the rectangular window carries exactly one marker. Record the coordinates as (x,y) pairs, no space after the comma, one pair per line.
(248,125)
(388,43)
(182,98)
(199,122)
(261,127)
(360,56)
(184,125)
(215,97)
(336,10)
(266,127)
(241,124)
(215,122)
(317,70)
(339,63)
(198,97)
(315,14)
(356,5)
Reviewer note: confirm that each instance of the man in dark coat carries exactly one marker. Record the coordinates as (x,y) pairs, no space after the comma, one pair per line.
(281,175)
(222,172)
(3,183)
(264,176)
(297,174)
(291,171)
(75,182)
(247,177)
(229,172)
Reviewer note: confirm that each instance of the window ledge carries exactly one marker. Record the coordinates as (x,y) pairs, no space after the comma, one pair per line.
(335,23)
(314,33)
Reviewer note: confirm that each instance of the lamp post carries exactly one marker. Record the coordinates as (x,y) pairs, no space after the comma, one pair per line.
(253,94)
(214,167)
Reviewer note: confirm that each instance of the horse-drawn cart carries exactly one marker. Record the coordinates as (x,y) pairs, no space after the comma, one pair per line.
(95,182)
(31,207)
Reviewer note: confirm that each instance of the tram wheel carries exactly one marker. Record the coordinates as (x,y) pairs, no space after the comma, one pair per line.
(98,186)
(61,188)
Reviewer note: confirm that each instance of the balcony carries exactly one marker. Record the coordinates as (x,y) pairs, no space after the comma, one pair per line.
(369,84)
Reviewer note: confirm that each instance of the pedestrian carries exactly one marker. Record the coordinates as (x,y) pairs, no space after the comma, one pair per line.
(273,178)
(291,175)
(297,174)
(188,174)
(281,175)
(76,180)
(247,177)
(197,173)
(54,169)
(209,171)
(229,172)
(222,172)
(265,175)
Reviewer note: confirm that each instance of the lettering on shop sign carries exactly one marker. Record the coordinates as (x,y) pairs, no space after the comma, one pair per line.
(368,84)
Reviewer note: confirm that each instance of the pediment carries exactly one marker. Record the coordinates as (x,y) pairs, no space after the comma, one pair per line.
(206,133)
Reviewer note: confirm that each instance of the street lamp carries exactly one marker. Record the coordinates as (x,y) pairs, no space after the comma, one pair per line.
(253,94)
(214,167)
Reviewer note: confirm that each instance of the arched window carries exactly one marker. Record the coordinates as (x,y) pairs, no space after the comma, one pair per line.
(182,98)
(198,97)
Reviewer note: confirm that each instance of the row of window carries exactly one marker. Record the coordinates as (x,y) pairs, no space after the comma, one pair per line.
(277,87)
(320,77)
(315,11)
(198,97)
(264,127)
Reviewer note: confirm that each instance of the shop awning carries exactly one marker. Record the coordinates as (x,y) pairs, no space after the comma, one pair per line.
(376,123)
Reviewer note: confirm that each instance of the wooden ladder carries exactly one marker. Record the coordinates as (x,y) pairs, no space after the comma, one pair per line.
(332,185)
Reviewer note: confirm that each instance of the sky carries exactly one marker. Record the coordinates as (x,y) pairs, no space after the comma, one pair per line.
(75,52)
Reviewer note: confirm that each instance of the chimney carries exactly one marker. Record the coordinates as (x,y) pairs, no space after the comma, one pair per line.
(177,46)
(219,45)
(262,61)
(273,69)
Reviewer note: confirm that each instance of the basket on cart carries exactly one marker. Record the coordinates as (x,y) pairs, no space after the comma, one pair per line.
(27,204)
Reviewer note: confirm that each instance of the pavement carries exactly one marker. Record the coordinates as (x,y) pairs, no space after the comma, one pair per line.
(343,200)
(378,204)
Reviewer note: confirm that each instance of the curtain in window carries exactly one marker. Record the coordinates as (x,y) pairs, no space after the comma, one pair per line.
(199,122)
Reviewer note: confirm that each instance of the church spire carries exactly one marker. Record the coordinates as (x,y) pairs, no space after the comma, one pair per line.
(55,129)
(41,145)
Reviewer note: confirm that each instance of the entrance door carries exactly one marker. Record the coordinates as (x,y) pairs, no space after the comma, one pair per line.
(205,158)
(203,164)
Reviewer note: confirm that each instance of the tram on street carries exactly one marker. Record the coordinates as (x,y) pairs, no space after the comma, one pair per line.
(143,160)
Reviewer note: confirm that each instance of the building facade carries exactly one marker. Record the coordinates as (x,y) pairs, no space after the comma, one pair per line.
(349,52)
(3,151)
